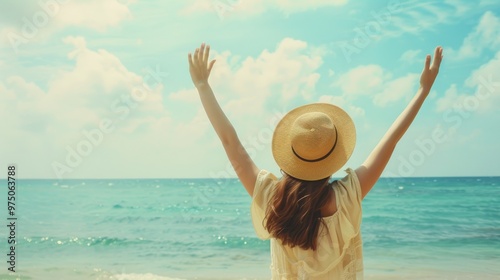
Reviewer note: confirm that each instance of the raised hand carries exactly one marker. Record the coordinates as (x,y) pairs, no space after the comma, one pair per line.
(430,71)
(199,67)
(369,172)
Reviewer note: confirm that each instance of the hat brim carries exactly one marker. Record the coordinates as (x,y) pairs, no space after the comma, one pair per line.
(312,171)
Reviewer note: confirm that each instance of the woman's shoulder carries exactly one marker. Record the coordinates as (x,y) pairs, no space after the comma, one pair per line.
(350,182)
(265,177)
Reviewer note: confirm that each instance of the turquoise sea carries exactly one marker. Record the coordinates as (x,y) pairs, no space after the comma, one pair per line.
(413,228)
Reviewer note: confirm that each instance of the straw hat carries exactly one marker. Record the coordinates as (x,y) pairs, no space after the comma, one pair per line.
(313,141)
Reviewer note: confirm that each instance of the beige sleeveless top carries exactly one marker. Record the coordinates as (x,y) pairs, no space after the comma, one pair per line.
(339,254)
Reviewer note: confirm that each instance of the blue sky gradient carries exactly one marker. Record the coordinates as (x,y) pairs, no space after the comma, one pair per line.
(101,88)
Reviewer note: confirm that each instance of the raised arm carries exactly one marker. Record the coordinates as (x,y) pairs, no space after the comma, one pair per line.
(369,172)
(244,166)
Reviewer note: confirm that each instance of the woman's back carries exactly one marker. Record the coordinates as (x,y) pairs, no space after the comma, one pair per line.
(310,143)
(339,248)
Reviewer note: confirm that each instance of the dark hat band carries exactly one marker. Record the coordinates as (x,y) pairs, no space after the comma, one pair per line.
(323,157)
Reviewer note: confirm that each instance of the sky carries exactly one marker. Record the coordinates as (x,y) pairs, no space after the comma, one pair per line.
(101,88)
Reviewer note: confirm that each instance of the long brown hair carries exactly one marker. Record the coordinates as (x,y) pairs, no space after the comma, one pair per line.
(294,213)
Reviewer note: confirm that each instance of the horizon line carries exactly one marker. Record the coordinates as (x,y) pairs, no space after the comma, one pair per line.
(233,178)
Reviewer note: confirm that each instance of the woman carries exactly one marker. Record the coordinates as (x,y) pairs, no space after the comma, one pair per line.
(313,224)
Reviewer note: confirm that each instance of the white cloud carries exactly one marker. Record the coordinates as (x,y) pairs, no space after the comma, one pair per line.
(83,13)
(449,99)
(185,95)
(341,102)
(416,17)
(396,90)
(97,86)
(254,7)
(379,84)
(486,35)
(33,21)
(411,56)
(254,93)
(362,80)
(286,73)
(460,7)
(293,6)
(289,71)
(481,92)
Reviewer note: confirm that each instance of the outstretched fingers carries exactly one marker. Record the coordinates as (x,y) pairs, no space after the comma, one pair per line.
(210,66)
(201,56)
(436,61)
(427,63)
(206,55)
(438,56)
(196,57)
(199,65)
(190,59)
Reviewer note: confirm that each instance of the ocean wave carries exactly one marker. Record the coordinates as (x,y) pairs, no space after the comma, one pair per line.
(134,276)
(85,241)
(241,242)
